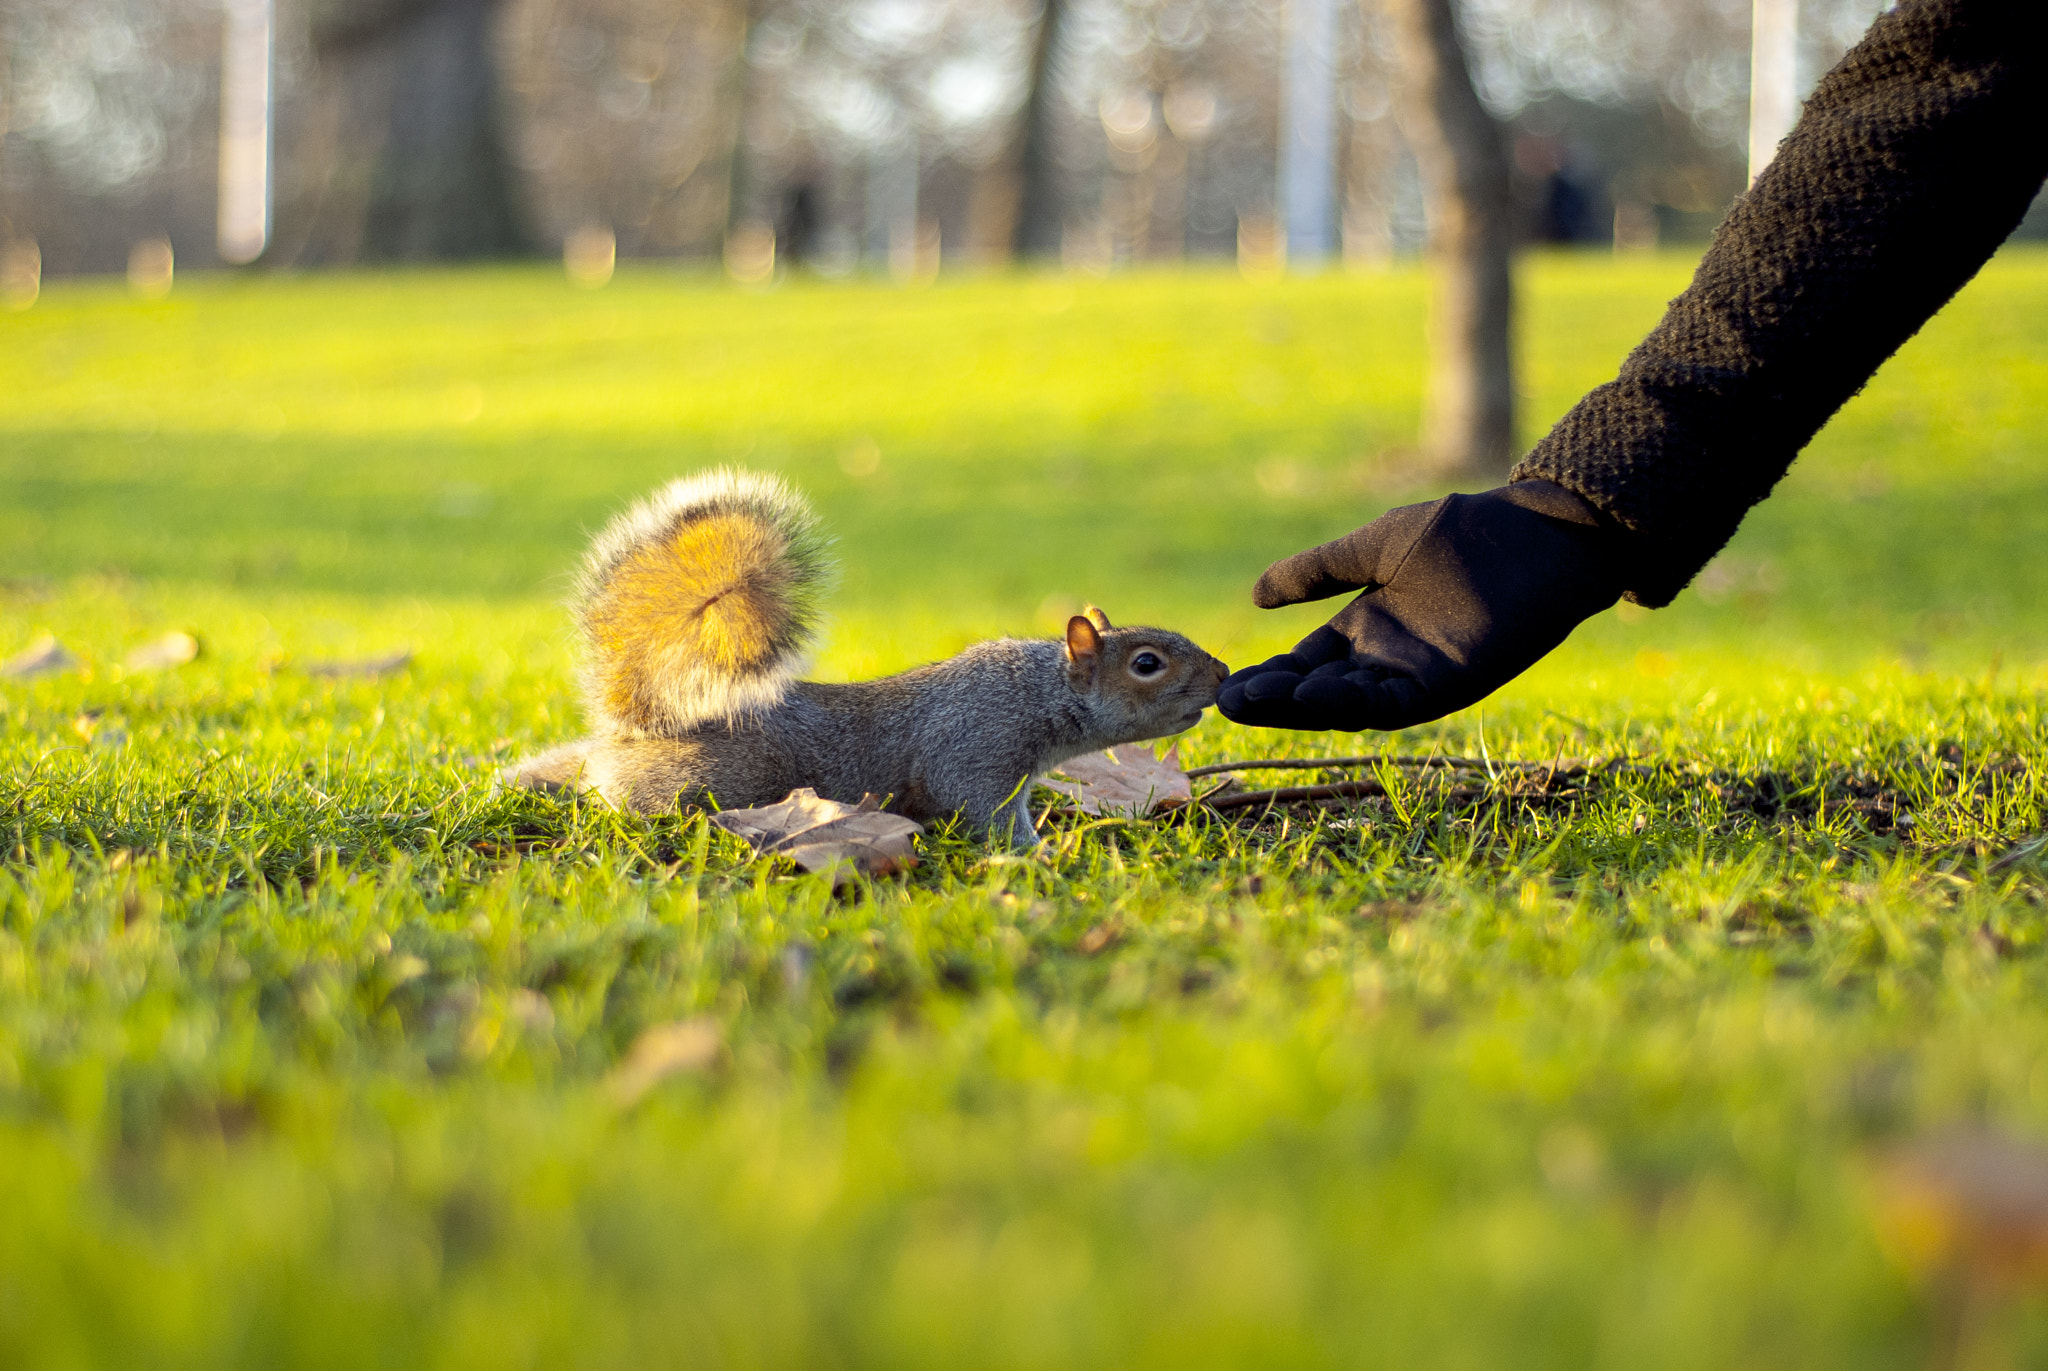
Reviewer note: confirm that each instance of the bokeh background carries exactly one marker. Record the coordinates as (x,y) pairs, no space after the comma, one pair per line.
(910,134)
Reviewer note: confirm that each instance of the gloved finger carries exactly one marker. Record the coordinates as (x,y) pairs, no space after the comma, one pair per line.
(1321,648)
(1252,699)
(1359,700)
(1273,712)
(1273,685)
(1328,703)
(1286,661)
(1317,574)
(1365,557)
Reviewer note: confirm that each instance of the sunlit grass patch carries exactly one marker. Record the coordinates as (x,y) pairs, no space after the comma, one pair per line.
(317,1046)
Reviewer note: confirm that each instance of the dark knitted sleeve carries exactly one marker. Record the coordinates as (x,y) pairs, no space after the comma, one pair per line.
(1915,158)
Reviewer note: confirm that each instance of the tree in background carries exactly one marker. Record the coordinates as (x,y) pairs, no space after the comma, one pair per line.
(897,121)
(1468,420)
(441,186)
(741,99)
(625,115)
(107,128)
(1039,211)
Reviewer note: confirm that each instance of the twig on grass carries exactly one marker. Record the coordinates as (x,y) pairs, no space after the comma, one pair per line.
(1342,763)
(1294,793)
(1544,774)
(2019,853)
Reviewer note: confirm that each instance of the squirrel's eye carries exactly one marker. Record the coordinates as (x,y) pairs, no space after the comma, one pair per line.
(1147,664)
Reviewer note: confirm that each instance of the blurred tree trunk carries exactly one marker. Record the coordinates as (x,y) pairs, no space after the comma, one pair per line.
(1039,218)
(741,192)
(1468,424)
(442,186)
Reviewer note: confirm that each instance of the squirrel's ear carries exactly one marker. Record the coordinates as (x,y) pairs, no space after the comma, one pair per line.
(1098,618)
(1084,644)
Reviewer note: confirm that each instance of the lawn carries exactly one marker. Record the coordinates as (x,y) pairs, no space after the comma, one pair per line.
(316,1051)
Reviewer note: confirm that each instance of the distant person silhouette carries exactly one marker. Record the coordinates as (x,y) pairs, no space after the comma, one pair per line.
(1565,214)
(1915,158)
(796,226)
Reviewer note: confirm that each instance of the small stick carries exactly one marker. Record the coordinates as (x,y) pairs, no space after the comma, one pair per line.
(1280,764)
(1287,794)
(1300,794)
(1340,763)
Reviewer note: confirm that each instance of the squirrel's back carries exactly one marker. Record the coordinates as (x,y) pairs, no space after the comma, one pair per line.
(699,603)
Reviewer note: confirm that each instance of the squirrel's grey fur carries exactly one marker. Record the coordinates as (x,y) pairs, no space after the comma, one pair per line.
(967,735)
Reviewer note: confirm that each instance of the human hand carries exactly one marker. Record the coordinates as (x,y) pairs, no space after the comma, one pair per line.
(1461,596)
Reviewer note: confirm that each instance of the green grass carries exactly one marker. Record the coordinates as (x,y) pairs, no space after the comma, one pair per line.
(309,1040)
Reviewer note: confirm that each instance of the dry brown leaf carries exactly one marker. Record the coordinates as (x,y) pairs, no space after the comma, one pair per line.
(39,658)
(1974,1203)
(663,1051)
(821,835)
(1127,779)
(371,667)
(159,654)
(1100,937)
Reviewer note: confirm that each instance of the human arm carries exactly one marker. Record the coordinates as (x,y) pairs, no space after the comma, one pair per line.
(1915,158)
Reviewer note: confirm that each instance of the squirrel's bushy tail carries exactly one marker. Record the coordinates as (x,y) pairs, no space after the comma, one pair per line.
(699,602)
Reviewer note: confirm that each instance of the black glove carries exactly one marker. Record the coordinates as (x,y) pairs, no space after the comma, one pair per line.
(1461,596)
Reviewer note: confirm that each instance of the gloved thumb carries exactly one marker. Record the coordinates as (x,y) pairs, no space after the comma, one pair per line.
(1367,557)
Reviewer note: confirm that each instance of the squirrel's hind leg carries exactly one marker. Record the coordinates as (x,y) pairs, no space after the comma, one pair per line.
(558,769)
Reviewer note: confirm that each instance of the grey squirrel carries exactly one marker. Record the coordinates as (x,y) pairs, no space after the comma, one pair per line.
(696,607)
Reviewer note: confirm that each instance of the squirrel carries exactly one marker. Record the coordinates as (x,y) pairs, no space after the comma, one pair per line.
(696,608)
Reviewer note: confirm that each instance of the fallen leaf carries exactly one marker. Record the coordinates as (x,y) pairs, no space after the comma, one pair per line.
(532,1010)
(40,657)
(1127,779)
(1973,1203)
(820,835)
(1100,937)
(663,1051)
(368,667)
(173,649)
(404,968)
(93,728)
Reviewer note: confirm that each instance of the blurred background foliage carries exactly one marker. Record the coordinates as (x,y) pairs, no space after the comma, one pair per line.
(883,132)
